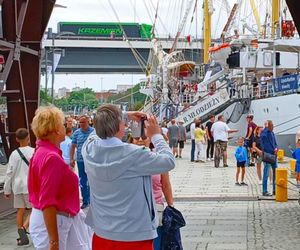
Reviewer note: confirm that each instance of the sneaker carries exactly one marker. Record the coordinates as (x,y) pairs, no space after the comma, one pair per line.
(84,205)
(244,184)
(176,156)
(212,159)
(225,166)
(208,159)
(180,156)
(237,184)
(259,182)
(266,194)
(251,164)
(273,192)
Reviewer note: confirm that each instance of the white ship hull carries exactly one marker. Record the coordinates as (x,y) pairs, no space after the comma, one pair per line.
(284,111)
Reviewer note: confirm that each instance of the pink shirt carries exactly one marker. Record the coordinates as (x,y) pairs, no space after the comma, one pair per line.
(157,188)
(50,180)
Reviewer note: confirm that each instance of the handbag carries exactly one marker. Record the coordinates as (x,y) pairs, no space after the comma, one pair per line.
(269,158)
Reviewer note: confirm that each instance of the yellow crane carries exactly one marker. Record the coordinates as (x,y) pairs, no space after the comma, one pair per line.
(275,16)
(208,10)
(256,15)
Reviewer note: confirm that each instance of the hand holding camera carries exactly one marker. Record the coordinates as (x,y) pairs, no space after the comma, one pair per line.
(151,126)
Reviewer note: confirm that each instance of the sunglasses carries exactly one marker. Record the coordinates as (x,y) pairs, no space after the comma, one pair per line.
(143,137)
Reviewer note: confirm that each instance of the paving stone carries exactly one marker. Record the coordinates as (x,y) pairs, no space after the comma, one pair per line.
(214,223)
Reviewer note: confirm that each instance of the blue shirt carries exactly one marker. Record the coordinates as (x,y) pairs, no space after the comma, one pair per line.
(296,155)
(65,147)
(241,154)
(79,137)
(268,140)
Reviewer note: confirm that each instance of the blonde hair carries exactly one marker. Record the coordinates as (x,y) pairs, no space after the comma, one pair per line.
(47,119)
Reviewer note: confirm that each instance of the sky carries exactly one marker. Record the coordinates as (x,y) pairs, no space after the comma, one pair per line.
(170,13)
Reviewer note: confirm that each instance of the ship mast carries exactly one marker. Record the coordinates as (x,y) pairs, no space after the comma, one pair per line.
(207,29)
(275,16)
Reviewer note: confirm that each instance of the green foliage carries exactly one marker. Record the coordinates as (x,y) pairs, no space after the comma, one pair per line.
(134,102)
(2,100)
(84,98)
(45,99)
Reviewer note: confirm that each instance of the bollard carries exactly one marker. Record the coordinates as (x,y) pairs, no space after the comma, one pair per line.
(280,154)
(293,168)
(281,185)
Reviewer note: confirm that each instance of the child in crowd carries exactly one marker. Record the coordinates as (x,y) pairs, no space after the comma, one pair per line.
(296,155)
(241,161)
(16,182)
(65,146)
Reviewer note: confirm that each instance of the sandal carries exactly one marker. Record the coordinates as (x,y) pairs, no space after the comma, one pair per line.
(23,240)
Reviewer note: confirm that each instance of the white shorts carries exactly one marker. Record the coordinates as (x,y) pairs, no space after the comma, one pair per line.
(21,201)
(73,233)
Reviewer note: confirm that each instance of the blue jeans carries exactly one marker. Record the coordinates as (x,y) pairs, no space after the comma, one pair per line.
(84,184)
(193,150)
(157,240)
(266,175)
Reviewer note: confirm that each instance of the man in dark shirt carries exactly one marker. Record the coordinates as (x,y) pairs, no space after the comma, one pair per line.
(249,137)
(210,138)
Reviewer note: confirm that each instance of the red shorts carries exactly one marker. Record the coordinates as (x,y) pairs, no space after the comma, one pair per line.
(104,244)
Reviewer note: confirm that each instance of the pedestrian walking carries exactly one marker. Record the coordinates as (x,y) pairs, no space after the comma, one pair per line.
(122,212)
(56,222)
(220,131)
(16,182)
(249,138)
(199,141)
(241,157)
(173,135)
(257,152)
(79,137)
(210,139)
(269,149)
(192,132)
(181,137)
(65,146)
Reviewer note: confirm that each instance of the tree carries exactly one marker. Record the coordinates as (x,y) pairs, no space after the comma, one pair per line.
(45,99)
(84,98)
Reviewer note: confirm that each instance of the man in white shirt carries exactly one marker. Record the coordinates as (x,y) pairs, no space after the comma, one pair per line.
(220,131)
(16,182)
(192,131)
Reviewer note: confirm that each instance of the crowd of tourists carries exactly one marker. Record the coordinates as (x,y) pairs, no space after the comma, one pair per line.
(122,184)
(123,178)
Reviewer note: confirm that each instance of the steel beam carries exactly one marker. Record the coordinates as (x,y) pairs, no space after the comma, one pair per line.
(24,23)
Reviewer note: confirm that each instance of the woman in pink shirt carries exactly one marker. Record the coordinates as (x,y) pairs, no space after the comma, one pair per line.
(56,221)
(161,186)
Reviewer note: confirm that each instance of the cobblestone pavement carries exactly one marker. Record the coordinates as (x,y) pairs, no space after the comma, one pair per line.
(219,214)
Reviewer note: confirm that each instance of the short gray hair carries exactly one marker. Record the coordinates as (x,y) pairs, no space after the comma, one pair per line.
(107,121)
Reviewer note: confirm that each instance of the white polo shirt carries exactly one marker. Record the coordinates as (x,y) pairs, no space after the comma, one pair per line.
(220,131)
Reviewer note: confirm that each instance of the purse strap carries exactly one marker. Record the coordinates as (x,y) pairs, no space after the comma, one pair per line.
(23,157)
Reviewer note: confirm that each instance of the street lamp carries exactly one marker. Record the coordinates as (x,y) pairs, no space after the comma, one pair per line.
(101,90)
(54,36)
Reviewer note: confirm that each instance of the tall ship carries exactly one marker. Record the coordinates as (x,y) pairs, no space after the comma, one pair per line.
(250,69)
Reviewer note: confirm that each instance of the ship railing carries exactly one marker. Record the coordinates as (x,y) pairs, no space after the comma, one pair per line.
(262,91)
(283,85)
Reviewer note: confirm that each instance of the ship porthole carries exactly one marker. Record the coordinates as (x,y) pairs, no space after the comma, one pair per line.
(277,108)
(267,110)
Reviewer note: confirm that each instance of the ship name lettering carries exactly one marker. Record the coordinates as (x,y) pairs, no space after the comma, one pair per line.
(201,109)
